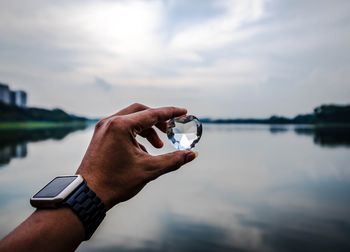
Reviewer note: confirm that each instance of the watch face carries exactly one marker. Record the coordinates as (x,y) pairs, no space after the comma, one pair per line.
(55,187)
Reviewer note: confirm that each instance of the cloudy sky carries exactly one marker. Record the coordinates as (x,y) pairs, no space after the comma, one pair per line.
(219,58)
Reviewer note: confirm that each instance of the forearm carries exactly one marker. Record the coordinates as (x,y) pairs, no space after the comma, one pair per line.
(46,230)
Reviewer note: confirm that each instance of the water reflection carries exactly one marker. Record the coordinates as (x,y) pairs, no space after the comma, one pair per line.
(335,136)
(13,143)
(12,151)
(327,136)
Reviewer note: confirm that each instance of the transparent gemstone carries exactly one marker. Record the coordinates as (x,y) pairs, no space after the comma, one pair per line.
(184,132)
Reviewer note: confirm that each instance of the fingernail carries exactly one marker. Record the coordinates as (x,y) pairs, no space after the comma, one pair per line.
(160,143)
(190,156)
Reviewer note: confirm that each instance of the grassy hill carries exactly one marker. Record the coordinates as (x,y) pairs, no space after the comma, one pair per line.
(12,117)
(16,114)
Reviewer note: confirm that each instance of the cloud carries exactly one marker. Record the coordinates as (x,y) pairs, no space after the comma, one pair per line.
(219,58)
(102,84)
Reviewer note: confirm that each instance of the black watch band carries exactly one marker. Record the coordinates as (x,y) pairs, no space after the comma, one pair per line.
(88,207)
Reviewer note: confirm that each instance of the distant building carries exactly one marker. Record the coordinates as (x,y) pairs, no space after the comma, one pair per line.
(5,95)
(12,97)
(19,98)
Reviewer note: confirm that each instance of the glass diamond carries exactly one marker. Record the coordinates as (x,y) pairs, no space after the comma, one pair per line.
(184,132)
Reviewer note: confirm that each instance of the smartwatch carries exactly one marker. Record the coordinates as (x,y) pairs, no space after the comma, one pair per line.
(72,192)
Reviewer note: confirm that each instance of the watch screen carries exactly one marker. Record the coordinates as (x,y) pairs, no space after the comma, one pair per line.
(56,186)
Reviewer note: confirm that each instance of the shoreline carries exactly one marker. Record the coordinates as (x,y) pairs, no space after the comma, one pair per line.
(307,125)
(31,125)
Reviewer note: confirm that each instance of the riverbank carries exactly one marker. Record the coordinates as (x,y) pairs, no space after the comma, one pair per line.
(28,118)
(31,125)
(324,115)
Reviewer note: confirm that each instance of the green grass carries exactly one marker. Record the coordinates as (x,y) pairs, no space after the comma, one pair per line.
(38,125)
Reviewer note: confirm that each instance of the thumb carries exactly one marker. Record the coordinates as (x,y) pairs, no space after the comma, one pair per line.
(171,161)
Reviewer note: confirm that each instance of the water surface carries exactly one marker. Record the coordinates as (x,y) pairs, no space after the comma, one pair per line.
(252,188)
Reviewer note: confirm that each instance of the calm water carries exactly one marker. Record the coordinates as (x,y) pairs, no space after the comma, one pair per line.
(252,188)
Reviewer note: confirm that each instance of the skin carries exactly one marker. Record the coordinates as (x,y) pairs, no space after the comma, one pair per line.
(115,166)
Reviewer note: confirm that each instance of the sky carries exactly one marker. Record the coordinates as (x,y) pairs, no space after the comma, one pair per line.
(219,58)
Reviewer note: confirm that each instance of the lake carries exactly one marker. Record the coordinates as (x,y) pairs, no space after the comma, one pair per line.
(252,188)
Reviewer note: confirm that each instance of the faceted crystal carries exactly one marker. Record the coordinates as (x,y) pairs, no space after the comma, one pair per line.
(184,132)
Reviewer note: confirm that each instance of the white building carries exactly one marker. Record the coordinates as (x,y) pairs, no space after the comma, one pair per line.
(18,98)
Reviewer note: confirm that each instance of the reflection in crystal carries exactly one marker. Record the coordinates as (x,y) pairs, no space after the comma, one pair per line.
(184,132)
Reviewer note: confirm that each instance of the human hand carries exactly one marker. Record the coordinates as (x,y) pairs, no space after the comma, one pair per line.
(115,166)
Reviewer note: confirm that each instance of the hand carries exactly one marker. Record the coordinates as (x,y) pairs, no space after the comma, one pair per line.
(116,166)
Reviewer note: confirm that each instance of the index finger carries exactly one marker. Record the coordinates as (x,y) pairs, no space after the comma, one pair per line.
(149,117)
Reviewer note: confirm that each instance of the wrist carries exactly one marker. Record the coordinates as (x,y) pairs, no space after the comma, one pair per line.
(72,192)
(100,189)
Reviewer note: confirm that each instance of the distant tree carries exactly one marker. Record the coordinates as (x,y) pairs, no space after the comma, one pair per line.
(332,114)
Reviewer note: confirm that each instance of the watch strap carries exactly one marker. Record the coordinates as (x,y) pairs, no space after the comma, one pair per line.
(88,207)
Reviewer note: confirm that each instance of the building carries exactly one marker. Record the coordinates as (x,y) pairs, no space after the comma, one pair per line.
(5,95)
(12,97)
(18,98)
